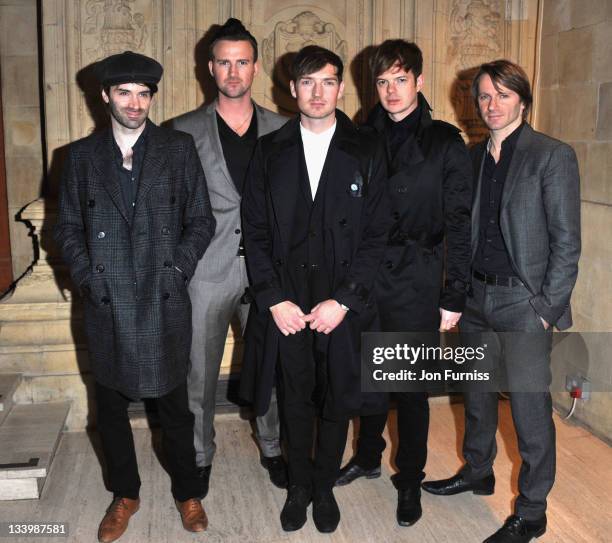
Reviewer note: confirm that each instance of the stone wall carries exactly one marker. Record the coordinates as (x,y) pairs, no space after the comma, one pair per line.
(22,123)
(575,105)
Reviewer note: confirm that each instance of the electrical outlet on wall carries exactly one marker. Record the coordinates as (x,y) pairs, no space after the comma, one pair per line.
(578,382)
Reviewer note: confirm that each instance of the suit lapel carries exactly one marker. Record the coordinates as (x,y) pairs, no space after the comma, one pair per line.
(516,165)
(102,160)
(210,134)
(153,162)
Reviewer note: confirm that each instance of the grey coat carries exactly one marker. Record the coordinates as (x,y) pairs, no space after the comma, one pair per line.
(224,197)
(539,220)
(136,307)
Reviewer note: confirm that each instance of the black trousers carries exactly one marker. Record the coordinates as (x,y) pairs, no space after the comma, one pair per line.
(521,362)
(303,385)
(177,443)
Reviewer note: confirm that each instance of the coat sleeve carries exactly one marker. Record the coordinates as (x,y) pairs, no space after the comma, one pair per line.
(69,231)
(561,197)
(355,290)
(457,195)
(257,228)
(197,218)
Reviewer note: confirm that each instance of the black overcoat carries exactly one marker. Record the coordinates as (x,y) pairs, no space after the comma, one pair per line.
(430,184)
(136,307)
(356,221)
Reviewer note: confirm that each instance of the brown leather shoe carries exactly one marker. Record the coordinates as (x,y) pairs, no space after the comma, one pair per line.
(192,514)
(116,519)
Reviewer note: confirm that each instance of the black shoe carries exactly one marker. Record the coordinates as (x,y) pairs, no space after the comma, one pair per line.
(518,530)
(325,512)
(352,471)
(457,484)
(277,469)
(204,474)
(408,506)
(293,515)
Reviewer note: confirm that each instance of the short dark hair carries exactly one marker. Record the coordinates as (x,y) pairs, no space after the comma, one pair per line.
(311,59)
(404,54)
(510,75)
(232,30)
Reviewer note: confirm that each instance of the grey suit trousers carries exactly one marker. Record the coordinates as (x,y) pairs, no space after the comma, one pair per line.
(522,362)
(214,305)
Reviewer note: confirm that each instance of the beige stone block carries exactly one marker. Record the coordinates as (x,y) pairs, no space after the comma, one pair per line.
(18,31)
(24,177)
(576,55)
(604,112)
(548,118)
(20,80)
(596,173)
(549,70)
(22,252)
(579,105)
(22,131)
(556,17)
(588,12)
(602,51)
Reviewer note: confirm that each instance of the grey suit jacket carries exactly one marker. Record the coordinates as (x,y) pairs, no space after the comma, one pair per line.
(225,199)
(539,220)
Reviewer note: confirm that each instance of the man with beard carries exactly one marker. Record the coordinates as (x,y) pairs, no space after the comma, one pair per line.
(134,220)
(315,224)
(225,133)
(430,183)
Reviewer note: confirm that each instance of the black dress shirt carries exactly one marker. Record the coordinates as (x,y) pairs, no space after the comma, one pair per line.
(129,179)
(492,254)
(237,150)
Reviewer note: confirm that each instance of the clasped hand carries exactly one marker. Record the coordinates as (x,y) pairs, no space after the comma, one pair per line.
(323,317)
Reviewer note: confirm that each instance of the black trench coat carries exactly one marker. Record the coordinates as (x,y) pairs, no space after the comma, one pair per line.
(136,307)
(356,222)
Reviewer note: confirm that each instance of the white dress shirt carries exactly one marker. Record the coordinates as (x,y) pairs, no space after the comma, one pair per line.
(315,152)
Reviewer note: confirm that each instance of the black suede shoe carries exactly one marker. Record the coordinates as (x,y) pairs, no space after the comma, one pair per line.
(409,506)
(277,469)
(325,511)
(352,471)
(518,530)
(204,474)
(457,484)
(293,515)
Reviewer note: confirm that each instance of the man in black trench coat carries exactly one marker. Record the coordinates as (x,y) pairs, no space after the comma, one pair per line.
(134,219)
(315,219)
(430,181)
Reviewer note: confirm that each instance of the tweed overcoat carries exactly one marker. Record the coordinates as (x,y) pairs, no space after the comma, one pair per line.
(355,227)
(539,219)
(136,308)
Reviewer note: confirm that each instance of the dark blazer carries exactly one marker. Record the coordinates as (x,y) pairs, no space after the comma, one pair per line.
(430,182)
(355,222)
(539,220)
(136,308)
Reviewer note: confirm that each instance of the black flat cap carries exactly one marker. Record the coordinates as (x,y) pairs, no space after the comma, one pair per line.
(129,67)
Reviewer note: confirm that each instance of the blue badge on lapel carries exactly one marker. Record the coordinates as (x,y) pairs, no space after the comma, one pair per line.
(356,186)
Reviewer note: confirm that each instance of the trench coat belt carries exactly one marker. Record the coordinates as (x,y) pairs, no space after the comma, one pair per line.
(425,241)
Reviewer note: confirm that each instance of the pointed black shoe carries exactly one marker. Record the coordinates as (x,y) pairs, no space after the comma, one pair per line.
(352,471)
(408,506)
(204,474)
(325,511)
(457,484)
(277,470)
(293,515)
(518,530)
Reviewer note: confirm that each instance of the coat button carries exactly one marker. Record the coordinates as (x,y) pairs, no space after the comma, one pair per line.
(342,222)
(166,295)
(168,263)
(344,263)
(100,268)
(173,200)
(237,231)
(314,266)
(303,265)
(105,300)
(278,262)
(165,230)
(101,235)
(91,203)
(389,264)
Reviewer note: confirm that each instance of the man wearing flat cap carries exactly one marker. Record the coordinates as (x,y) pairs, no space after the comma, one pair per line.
(225,133)
(134,220)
